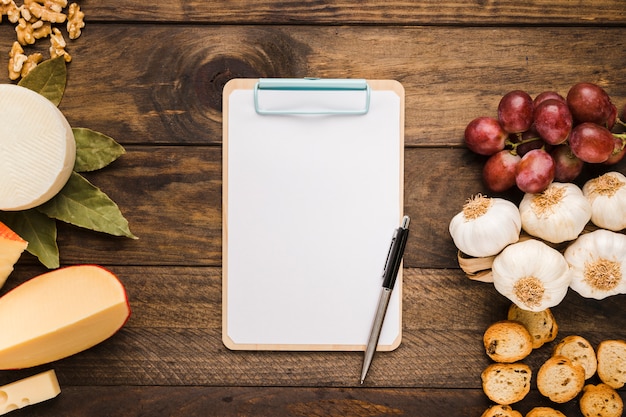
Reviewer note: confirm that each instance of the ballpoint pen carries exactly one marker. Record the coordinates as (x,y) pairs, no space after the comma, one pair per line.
(390,273)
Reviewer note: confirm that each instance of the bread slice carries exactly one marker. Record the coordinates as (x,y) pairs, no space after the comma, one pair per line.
(560,380)
(600,401)
(612,362)
(544,412)
(501,411)
(507,341)
(506,383)
(579,351)
(541,324)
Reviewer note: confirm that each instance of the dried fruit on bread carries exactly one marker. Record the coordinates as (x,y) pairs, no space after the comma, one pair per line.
(541,324)
(506,383)
(579,351)
(601,401)
(611,356)
(560,379)
(507,341)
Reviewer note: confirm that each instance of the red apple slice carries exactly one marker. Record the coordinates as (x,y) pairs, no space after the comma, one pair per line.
(11,248)
(59,314)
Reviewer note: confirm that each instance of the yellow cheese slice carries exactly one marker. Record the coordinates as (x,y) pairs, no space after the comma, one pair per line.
(37,148)
(58,314)
(29,391)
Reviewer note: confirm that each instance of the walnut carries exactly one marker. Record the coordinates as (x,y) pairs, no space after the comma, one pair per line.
(24,32)
(16,61)
(10,9)
(57,45)
(75,21)
(30,63)
(42,29)
(47,12)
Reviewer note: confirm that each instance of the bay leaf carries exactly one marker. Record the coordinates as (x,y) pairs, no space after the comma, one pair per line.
(39,230)
(48,79)
(84,205)
(94,150)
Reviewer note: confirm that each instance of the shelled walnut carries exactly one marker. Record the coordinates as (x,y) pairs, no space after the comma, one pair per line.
(38,19)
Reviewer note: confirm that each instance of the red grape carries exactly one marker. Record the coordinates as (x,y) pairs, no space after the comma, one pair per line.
(547,95)
(591,142)
(485,136)
(610,122)
(618,153)
(589,103)
(515,111)
(499,171)
(553,121)
(567,166)
(535,171)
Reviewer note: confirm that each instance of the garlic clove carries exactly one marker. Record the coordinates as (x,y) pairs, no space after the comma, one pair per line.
(485,226)
(607,197)
(532,275)
(598,263)
(556,215)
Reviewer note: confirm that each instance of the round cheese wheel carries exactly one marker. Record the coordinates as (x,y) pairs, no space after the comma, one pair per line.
(37,149)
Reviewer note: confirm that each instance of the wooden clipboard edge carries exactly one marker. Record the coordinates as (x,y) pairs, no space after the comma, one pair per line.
(248,84)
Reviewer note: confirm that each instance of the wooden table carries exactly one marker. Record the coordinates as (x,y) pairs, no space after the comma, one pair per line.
(151,76)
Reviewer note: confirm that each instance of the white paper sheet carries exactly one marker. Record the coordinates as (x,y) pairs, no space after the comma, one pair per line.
(311,206)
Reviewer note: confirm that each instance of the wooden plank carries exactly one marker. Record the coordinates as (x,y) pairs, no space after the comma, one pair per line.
(173,337)
(169,92)
(278,402)
(430,12)
(174,206)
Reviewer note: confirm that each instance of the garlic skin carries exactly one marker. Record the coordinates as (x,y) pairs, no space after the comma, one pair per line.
(557,214)
(485,226)
(598,263)
(532,275)
(607,196)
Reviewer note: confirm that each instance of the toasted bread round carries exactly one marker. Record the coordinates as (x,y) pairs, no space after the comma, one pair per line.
(560,380)
(498,410)
(544,412)
(507,341)
(541,324)
(506,383)
(611,356)
(579,351)
(601,401)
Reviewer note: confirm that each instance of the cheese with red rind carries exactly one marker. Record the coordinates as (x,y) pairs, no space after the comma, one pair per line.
(59,314)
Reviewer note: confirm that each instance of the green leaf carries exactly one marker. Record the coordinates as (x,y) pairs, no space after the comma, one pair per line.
(48,79)
(94,150)
(82,204)
(39,230)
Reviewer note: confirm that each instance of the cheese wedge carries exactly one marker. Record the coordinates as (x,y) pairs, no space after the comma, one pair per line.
(11,248)
(37,148)
(59,314)
(29,391)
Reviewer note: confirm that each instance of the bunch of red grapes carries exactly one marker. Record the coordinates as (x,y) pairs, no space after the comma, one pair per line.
(534,142)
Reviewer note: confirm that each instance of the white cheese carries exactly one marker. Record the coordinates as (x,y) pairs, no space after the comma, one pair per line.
(29,391)
(37,148)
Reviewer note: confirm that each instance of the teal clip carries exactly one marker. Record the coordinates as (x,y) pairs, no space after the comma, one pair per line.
(312,84)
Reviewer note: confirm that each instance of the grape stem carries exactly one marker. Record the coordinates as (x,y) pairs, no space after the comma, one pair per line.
(521,141)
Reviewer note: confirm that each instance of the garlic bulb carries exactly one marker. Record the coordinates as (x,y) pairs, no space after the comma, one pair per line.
(607,196)
(557,214)
(485,226)
(598,263)
(531,274)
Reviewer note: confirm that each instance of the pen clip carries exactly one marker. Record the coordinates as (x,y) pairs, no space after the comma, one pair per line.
(393,241)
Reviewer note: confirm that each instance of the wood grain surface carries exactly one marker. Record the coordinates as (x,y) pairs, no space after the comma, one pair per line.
(151,75)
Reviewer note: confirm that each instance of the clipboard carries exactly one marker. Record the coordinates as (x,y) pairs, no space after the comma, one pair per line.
(312,193)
